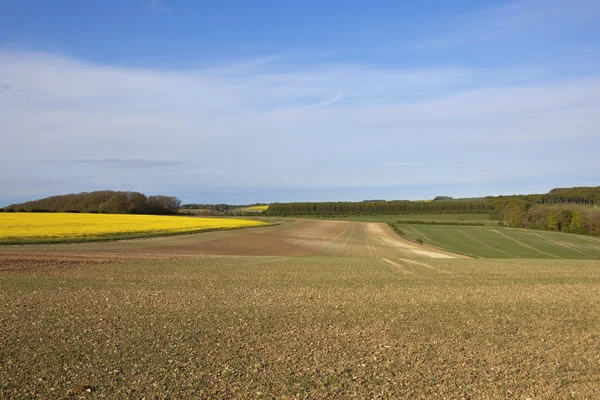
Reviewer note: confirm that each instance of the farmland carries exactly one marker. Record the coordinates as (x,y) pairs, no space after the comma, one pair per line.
(256,208)
(64,227)
(498,242)
(303,309)
(491,240)
(486,241)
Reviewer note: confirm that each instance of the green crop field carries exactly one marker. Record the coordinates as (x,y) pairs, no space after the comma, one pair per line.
(498,242)
(488,241)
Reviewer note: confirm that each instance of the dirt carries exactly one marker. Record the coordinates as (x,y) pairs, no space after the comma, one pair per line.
(296,238)
(240,327)
(306,309)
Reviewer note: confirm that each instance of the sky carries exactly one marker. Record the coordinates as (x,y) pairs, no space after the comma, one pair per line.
(263,101)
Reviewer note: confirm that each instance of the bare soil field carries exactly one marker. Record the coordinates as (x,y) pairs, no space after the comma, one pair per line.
(369,239)
(306,309)
(300,327)
(292,238)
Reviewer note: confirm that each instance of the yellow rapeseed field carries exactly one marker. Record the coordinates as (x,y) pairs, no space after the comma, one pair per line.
(257,208)
(48,226)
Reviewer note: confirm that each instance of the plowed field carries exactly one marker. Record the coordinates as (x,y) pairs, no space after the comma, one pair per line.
(294,238)
(305,309)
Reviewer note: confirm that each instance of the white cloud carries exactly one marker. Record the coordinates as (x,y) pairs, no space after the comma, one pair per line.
(259,123)
(402,164)
(156,6)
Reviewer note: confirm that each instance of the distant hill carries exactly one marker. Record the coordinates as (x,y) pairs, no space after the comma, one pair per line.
(104,201)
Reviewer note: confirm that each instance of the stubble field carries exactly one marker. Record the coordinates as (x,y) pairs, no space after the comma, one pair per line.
(307,309)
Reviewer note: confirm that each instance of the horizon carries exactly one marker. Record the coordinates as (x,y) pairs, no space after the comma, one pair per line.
(303,102)
(317,201)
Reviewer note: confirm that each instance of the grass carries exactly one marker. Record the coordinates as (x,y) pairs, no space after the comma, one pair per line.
(498,242)
(488,241)
(21,228)
(302,327)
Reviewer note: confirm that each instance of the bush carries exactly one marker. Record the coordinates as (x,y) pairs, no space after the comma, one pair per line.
(419,240)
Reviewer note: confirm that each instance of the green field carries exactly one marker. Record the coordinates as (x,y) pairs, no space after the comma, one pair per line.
(489,241)
(499,242)
(301,327)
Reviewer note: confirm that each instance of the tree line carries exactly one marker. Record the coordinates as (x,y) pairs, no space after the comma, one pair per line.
(573,210)
(562,210)
(222,207)
(585,196)
(559,218)
(478,206)
(105,201)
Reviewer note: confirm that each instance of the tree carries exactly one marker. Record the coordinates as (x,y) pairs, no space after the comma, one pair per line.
(514,219)
(104,201)
(577,222)
(164,204)
(553,223)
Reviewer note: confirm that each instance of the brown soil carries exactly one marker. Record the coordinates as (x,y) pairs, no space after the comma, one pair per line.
(295,238)
(365,315)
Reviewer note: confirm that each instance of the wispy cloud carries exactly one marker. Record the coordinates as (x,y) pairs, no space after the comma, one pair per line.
(268,122)
(156,6)
(477,167)
(338,97)
(126,162)
(235,116)
(511,19)
(402,164)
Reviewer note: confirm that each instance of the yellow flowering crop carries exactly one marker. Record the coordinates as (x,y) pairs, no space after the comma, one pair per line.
(51,226)
(257,208)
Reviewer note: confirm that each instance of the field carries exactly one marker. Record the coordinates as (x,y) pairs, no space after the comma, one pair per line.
(488,241)
(256,208)
(304,309)
(16,228)
(497,242)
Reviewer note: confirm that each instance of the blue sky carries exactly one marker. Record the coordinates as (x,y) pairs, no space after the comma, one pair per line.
(250,101)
